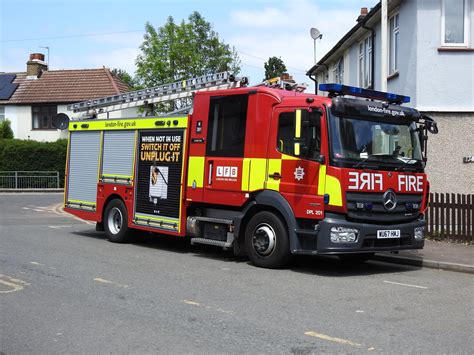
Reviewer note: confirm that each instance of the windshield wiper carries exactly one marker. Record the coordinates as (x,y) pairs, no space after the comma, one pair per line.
(364,161)
(405,162)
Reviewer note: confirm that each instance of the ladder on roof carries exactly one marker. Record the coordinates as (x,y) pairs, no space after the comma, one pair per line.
(161,93)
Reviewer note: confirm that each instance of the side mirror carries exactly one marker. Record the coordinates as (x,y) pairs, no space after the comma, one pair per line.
(432,127)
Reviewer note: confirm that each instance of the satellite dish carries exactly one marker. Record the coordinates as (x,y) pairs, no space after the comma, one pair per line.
(61,121)
(314,32)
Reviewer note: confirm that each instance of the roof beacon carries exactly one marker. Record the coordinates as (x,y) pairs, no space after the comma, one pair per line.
(339,89)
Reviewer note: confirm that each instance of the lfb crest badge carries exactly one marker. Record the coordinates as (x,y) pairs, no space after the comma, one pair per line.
(299,173)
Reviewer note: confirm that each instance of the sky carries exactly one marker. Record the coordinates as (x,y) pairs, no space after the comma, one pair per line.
(92,34)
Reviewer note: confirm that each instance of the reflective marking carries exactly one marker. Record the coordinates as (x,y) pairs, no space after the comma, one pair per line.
(104,281)
(13,284)
(333,339)
(408,285)
(59,210)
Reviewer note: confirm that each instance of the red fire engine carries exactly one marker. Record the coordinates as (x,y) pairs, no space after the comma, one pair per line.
(268,170)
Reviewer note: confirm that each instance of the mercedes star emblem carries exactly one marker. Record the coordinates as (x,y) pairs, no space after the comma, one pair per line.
(389,200)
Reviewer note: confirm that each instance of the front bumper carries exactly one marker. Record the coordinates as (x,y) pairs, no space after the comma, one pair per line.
(367,241)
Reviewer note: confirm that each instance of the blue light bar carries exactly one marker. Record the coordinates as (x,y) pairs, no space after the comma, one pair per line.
(339,89)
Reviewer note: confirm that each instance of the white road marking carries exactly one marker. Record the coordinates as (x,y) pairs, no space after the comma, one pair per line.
(99,279)
(333,339)
(197,304)
(408,285)
(59,210)
(36,263)
(59,227)
(25,208)
(13,284)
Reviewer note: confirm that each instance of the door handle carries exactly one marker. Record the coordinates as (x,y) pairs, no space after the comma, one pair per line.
(209,178)
(275,176)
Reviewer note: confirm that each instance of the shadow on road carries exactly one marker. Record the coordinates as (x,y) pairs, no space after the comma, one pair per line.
(312,265)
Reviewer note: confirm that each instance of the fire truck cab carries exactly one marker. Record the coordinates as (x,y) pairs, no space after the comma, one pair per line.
(265,172)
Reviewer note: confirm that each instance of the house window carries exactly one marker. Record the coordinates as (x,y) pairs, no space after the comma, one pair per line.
(394,44)
(2,113)
(455,22)
(43,116)
(226,130)
(365,62)
(338,71)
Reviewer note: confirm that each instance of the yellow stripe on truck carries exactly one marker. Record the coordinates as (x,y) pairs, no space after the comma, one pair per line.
(274,166)
(258,171)
(333,189)
(196,171)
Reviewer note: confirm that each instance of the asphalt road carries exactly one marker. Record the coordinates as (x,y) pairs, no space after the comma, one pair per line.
(65,289)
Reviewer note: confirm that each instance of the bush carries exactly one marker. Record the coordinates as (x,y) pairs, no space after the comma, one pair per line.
(25,155)
(6,129)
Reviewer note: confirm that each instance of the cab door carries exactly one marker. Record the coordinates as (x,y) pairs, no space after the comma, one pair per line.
(294,166)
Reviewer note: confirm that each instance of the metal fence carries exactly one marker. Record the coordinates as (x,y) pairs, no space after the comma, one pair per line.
(451,217)
(29,180)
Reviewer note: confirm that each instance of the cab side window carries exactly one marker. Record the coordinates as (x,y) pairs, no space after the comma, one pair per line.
(226,130)
(310,142)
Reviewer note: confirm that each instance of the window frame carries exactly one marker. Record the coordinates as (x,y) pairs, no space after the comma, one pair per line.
(216,103)
(366,57)
(2,113)
(49,115)
(338,71)
(292,129)
(393,57)
(466,26)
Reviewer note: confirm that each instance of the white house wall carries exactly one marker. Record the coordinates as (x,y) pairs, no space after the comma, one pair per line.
(445,79)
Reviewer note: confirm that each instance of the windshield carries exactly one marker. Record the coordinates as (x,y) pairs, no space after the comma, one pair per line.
(358,142)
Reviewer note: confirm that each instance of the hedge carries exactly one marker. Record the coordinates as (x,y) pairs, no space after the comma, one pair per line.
(26,155)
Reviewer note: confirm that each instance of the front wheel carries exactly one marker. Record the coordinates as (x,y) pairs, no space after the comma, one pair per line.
(116,222)
(266,241)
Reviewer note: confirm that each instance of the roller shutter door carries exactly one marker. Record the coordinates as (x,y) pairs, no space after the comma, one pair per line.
(84,152)
(118,156)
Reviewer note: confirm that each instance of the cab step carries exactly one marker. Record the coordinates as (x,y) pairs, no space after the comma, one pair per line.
(216,243)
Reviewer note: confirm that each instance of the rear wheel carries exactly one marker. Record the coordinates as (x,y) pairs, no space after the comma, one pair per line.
(116,222)
(266,241)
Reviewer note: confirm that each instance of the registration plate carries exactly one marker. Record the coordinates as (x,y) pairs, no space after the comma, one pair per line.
(388,233)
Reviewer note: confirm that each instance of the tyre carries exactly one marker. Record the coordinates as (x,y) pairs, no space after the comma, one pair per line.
(266,241)
(355,258)
(116,222)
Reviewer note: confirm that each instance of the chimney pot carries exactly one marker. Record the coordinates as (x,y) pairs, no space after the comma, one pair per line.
(364,11)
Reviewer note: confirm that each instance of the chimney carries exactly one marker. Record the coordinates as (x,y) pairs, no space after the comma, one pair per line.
(35,66)
(363,12)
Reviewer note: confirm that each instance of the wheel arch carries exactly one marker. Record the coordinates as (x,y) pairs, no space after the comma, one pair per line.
(271,201)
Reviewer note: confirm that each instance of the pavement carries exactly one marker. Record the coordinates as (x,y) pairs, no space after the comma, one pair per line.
(435,255)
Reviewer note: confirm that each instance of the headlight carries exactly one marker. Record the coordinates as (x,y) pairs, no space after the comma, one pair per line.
(343,235)
(419,233)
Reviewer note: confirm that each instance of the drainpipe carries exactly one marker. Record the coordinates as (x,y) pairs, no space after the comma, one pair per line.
(384,51)
(315,83)
(372,70)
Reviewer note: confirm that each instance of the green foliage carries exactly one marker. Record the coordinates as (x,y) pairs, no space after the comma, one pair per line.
(126,78)
(274,67)
(26,155)
(6,129)
(175,52)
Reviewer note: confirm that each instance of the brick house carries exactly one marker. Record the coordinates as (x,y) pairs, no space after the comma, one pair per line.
(30,99)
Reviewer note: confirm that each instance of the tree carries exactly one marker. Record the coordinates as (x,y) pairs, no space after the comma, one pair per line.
(5,129)
(175,52)
(125,77)
(274,67)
